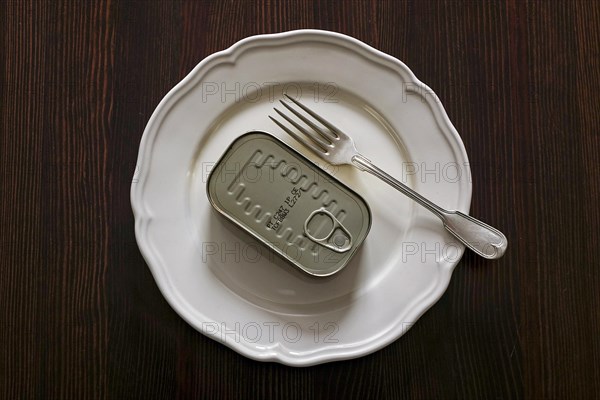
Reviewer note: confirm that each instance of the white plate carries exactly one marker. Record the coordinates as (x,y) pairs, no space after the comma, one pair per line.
(237,292)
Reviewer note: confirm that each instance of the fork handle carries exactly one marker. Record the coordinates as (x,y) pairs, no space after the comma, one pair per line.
(483,239)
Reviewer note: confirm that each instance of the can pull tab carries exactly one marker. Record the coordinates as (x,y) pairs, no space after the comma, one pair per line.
(337,238)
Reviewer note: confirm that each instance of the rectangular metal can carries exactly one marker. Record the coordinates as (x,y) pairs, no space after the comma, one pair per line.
(288,203)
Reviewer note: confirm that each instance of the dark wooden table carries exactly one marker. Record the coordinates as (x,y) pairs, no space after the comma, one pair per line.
(81,316)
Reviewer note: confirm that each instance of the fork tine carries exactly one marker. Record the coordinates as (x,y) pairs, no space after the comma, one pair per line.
(314,137)
(316,116)
(309,144)
(308,122)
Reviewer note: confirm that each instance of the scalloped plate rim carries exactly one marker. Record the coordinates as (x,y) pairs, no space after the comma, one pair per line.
(143,218)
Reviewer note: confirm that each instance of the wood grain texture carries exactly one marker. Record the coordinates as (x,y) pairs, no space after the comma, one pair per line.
(80,313)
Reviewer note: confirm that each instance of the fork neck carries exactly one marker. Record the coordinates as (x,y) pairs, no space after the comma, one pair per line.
(364,164)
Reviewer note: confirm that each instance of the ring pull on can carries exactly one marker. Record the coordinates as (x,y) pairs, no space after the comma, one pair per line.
(338,238)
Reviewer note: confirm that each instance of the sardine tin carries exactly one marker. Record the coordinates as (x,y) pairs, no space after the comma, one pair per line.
(288,203)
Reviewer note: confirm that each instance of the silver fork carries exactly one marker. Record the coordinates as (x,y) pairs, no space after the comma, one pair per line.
(337,148)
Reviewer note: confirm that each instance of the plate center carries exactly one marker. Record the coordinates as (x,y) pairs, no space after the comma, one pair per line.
(251,270)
